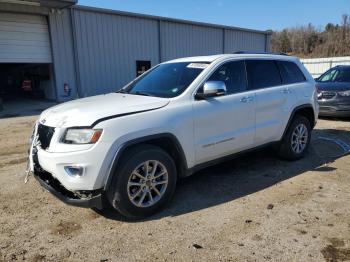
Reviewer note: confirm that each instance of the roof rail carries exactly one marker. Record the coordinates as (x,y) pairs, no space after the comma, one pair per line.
(259,53)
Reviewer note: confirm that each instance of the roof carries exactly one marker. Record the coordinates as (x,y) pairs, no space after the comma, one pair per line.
(210,58)
(225,56)
(167,19)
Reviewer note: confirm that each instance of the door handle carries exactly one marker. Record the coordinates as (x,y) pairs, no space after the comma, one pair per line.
(286,91)
(246,99)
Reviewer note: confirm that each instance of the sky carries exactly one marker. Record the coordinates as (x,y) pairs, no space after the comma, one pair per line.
(254,14)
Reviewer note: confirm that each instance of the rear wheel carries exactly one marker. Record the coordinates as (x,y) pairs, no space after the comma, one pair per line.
(296,140)
(144,182)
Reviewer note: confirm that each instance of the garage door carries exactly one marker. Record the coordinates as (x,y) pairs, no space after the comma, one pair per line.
(24,39)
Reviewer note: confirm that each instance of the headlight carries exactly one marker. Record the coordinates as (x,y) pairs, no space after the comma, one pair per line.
(82,136)
(344,93)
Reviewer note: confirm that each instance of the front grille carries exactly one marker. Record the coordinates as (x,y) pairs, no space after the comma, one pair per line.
(328,94)
(45,134)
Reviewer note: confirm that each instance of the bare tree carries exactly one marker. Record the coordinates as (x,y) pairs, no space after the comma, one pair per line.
(307,41)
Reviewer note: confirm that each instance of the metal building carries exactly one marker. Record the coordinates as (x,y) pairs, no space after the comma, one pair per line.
(67,51)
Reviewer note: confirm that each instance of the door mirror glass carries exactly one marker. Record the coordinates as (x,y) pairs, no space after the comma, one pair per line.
(211,89)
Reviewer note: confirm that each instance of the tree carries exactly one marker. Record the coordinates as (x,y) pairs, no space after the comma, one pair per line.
(307,41)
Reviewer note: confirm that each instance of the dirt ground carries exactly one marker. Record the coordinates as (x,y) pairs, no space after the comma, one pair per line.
(253,208)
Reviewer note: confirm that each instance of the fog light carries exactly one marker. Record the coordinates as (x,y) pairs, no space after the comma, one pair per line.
(74,171)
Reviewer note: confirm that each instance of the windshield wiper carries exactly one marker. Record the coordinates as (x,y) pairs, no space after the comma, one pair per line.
(122,91)
(140,93)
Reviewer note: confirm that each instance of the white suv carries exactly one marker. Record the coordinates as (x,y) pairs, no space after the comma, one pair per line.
(127,149)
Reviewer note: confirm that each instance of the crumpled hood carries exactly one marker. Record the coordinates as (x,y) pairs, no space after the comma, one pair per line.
(86,111)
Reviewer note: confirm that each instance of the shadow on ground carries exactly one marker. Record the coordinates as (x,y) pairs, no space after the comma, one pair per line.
(18,107)
(333,118)
(246,175)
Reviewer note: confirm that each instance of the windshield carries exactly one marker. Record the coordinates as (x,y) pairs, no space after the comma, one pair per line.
(336,75)
(166,80)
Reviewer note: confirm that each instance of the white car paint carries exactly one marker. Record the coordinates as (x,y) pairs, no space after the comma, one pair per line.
(205,129)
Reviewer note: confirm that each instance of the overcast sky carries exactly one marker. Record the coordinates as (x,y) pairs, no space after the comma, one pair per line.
(255,14)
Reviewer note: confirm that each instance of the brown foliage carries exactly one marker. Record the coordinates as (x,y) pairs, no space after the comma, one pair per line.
(307,41)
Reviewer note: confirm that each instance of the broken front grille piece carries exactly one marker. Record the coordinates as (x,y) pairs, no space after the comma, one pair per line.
(45,134)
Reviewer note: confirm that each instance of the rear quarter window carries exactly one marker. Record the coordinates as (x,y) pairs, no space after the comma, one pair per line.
(290,72)
(262,74)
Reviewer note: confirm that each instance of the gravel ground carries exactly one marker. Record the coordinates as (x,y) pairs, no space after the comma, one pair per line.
(253,208)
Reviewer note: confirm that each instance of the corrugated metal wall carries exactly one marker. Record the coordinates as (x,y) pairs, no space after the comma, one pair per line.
(107,47)
(244,41)
(95,51)
(107,44)
(63,53)
(182,40)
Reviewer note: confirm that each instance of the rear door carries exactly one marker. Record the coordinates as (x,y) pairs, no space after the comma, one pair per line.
(273,99)
(225,124)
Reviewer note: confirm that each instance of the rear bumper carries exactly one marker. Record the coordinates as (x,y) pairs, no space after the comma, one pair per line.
(93,198)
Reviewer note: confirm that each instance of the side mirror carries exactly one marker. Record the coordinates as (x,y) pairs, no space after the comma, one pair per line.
(316,79)
(211,89)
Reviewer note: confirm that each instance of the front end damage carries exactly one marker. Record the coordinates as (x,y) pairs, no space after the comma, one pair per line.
(80,198)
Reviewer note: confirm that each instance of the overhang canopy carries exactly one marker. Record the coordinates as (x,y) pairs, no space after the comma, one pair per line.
(44,3)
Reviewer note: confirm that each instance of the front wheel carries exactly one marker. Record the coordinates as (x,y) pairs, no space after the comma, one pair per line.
(144,182)
(296,140)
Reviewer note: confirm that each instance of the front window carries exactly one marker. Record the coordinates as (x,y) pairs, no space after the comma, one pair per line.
(233,75)
(166,80)
(336,75)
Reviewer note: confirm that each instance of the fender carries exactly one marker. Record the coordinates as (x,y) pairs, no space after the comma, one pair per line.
(303,106)
(145,139)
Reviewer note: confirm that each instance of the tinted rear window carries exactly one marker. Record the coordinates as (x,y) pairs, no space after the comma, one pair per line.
(262,73)
(290,72)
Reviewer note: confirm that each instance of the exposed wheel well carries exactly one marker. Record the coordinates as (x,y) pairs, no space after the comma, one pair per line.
(307,112)
(304,110)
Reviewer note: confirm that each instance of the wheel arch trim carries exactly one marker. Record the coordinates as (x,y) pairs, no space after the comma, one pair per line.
(294,112)
(143,140)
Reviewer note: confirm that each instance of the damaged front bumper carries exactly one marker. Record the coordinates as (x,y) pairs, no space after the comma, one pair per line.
(55,184)
(87,199)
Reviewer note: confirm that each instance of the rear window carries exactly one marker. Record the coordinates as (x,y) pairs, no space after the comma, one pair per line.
(290,72)
(262,73)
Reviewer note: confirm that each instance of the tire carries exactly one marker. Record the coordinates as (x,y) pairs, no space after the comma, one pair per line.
(128,188)
(287,147)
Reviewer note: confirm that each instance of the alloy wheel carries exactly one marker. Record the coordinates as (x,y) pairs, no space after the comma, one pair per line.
(147,183)
(299,138)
